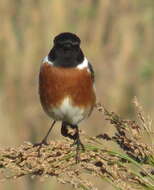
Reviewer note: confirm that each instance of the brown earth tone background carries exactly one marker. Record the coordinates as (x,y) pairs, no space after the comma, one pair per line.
(118,39)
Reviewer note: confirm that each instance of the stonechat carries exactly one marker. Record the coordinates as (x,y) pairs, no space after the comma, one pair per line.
(66,86)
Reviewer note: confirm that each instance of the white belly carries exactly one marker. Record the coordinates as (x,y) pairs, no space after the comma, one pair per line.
(69,113)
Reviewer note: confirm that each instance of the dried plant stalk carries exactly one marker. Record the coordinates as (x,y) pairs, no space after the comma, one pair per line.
(126,170)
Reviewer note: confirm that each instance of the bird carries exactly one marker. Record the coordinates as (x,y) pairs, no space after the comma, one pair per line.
(66,86)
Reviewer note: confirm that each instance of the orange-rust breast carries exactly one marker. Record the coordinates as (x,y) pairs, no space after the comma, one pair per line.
(56,83)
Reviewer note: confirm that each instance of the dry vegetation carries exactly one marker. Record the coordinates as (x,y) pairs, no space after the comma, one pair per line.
(132,167)
(117,37)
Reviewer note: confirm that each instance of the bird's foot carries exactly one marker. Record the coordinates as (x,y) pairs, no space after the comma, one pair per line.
(39,145)
(43,142)
(79,145)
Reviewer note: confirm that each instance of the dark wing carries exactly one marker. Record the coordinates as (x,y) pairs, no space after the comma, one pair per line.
(92,71)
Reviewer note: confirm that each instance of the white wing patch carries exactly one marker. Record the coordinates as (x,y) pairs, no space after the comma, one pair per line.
(84,64)
(46,60)
(81,66)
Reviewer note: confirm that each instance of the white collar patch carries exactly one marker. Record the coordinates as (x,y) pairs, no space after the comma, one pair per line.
(46,60)
(81,66)
(84,64)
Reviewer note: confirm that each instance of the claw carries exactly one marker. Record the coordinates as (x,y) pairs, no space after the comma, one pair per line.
(43,142)
(39,145)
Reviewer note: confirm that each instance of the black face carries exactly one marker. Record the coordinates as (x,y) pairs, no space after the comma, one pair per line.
(66,51)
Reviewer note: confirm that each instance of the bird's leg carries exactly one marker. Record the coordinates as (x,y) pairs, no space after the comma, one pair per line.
(44,140)
(75,137)
(79,144)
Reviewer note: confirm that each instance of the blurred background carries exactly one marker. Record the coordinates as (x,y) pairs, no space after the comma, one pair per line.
(118,39)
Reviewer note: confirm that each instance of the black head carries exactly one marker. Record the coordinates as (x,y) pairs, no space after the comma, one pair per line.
(66,51)
(67,38)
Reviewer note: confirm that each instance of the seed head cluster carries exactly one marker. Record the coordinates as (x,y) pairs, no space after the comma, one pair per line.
(125,169)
